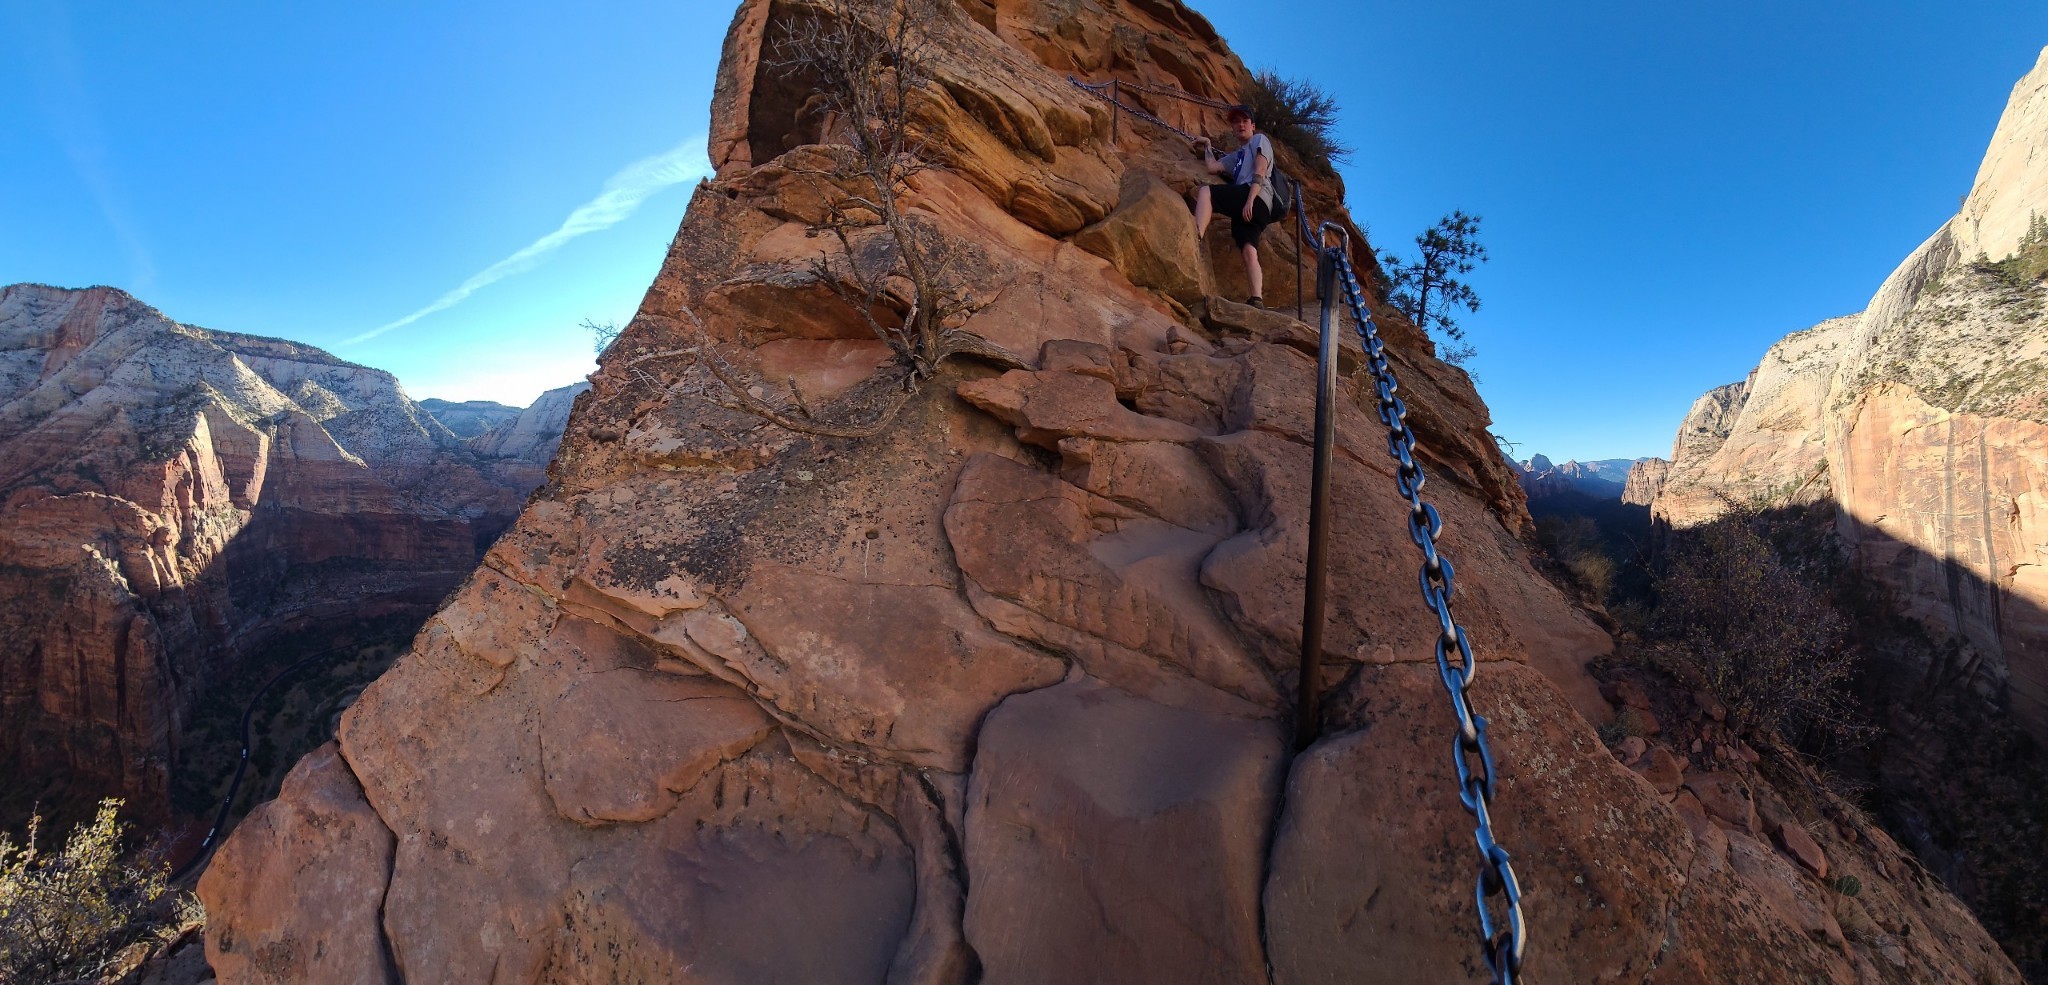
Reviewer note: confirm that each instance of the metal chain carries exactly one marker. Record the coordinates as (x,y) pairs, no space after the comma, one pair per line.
(1501,946)
(1104,91)
(1101,91)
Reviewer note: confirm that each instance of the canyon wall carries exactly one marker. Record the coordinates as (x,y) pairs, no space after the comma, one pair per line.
(1002,692)
(1924,418)
(171,497)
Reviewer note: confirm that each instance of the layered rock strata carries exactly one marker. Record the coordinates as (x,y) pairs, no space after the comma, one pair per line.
(171,496)
(1924,419)
(1003,692)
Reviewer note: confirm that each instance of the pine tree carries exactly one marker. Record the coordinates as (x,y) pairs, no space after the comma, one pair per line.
(1428,288)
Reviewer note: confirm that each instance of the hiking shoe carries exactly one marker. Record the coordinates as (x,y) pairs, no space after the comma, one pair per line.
(1255,301)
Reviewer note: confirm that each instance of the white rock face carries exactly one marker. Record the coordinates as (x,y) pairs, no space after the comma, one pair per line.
(1757,438)
(534,434)
(2012,183)
(1924,418)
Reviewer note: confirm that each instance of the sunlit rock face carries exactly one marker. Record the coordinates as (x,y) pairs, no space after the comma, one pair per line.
(170,497)
(1645,480)
(1925,419)
(1003,692)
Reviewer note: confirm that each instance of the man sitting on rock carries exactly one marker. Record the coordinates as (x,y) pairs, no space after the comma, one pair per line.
(1247,196)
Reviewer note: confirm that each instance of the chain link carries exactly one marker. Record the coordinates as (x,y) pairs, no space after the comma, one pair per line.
(1497,888)
(1104,90)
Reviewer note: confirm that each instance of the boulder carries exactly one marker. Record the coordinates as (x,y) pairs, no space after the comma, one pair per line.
(1150,239)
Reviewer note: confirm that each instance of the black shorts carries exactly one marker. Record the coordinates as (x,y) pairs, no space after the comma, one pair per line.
(1229,200)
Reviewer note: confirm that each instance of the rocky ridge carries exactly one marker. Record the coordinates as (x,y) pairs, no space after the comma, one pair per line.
(964,701)
(468,418)
(1923,419)
(172,497)
(1603,479)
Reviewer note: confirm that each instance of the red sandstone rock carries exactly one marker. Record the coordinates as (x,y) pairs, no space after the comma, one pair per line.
(1662,769)
(1632,749)
(1802,847)
(1150,239)
(1028,653)
(294,896)
(1086,808)
(1726,797)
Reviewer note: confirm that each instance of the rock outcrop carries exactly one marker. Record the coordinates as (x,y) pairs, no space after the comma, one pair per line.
(171,497)
(1924,419)
(1645,480)
(1002,692)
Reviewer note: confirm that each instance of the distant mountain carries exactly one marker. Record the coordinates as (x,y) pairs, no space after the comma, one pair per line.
(1602,479)
(173,499)
(469,418)
(532,434)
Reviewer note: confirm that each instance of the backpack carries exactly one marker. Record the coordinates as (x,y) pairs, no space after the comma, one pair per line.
(1283,193)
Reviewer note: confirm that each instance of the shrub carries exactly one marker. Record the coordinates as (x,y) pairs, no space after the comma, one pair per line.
(1734,619)
(2028,264)
(1575,542)
(65,915)
(1299,114)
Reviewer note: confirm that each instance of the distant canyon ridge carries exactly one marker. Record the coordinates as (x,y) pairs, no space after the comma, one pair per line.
(1603,479)
(173,498)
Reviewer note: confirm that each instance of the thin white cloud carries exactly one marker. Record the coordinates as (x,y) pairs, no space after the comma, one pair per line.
(622,195)
(63,96)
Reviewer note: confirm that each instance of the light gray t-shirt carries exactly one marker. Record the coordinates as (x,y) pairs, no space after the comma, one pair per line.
(1239,164)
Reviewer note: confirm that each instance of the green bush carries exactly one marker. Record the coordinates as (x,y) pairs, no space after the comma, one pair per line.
(65,915)
(1299,114)
(2029,264)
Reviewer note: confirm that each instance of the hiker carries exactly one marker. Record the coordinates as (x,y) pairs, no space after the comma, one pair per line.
(1247,196)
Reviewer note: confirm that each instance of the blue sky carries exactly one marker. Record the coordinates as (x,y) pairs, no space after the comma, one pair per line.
(1667,188)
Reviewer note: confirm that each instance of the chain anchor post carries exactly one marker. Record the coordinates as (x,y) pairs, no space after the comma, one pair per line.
(1315,599)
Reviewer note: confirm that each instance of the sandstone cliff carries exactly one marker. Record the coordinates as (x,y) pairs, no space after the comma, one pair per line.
(1645,480)
(171,497)
(1924,419)
(1001,693)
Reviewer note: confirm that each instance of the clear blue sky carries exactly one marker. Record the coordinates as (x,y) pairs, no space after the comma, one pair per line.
(1667,189)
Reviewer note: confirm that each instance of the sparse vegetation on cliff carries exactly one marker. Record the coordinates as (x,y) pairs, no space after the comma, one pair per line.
(866,66)
(2028,264)
(66,914)
(1299,114)
(1741,618)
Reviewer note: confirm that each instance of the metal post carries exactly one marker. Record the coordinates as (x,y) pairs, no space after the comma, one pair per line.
(1297,252)
(1308,713)
(1116,106)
